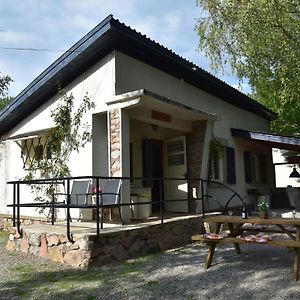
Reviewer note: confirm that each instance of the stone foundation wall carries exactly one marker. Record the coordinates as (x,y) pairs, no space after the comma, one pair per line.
(111,247)
(6,222)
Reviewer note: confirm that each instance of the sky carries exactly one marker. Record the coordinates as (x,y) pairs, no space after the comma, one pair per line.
(50,26)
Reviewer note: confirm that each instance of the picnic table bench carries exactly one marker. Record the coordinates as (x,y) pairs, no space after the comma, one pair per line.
(237,227)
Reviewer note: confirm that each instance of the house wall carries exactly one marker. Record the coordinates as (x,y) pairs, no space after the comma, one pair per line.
(99,83)
(132,74)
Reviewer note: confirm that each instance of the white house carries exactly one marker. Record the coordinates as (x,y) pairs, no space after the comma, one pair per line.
(155,116)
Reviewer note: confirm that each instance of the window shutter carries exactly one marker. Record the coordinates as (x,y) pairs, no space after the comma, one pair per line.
(247,166)
(147,162)
(230,162)
(263,166)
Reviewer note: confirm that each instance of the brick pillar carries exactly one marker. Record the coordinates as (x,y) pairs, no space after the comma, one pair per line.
(115,142)
(195,147)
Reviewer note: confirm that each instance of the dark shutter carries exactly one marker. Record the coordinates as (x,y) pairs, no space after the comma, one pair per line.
(247,165)
(148,164)
(230,162)
(263,168)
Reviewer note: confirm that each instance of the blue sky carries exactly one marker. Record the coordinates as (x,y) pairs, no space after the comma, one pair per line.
(58,24)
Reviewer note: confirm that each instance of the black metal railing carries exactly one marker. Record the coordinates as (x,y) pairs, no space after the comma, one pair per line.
(98,206)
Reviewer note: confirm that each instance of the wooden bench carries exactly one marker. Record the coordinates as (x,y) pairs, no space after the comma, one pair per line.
(233,236)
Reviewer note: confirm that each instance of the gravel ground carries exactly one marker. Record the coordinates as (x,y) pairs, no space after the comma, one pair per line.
(258,273)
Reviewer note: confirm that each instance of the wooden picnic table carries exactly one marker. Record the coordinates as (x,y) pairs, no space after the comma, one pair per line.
(286,227)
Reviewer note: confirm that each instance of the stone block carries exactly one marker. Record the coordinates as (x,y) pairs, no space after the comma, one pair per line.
(63,239)
(135,247)
(84,244)
(119,253)
(24,245)
(85,262)
(34,239)
(73,258)
(44,246)
(55,253)
(74,246)
(53,240)
(126,242)
(11,245)
(85,254)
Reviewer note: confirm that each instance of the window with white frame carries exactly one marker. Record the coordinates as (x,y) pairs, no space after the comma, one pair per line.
(222,164)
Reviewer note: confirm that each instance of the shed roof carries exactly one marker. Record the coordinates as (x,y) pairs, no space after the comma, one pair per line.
(111,35)
(266,138)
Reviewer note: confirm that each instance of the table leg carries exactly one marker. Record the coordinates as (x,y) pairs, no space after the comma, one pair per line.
(296,255)
(211,248)
(210,255)
(236,245)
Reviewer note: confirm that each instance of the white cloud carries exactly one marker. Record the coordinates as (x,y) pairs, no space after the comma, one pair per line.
(58,24)
(12,38)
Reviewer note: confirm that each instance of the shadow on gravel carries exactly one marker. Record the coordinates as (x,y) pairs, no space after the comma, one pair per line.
(258,273)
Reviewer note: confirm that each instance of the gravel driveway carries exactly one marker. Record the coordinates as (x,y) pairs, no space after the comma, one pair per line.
(258,273)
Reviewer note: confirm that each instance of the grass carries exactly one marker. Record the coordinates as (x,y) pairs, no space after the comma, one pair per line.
(35,278)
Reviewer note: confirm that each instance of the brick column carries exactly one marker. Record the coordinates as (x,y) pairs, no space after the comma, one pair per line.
(115,142)
(195,147)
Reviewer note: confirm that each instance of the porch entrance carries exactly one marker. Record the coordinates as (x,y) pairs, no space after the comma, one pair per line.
(153,167)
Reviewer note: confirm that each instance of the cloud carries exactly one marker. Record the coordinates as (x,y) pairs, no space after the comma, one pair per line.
(14,38)
(58,24)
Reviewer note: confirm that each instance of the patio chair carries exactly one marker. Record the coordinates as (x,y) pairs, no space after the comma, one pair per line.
(110,195)
(80,191)
(78,196)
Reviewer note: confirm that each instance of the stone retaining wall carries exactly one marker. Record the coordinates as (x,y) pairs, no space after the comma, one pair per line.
(6,221)
(111,247)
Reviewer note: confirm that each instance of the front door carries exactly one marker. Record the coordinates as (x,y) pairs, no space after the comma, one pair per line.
(175,167)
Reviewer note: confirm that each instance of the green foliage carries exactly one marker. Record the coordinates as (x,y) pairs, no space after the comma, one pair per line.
(260,40)
(68,135)
(216,149)
(263,206)
(4,98)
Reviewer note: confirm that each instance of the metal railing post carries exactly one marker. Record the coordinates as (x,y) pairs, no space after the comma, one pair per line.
(98,209)
(18,210)
(161,201)
(202,197)
(14,205)
(52,211)
(68,210)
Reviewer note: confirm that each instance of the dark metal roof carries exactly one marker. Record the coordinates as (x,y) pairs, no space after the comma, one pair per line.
(110,35)
(273,140)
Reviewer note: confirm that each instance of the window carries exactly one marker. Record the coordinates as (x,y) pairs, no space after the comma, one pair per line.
(222,165)
(256,168)
(217,167)
(33,150)
(175,153)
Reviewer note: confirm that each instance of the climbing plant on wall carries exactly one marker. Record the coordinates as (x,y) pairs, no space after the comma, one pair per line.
(68,135)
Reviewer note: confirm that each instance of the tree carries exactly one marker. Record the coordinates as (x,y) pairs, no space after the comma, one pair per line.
(260,40)
(4,98)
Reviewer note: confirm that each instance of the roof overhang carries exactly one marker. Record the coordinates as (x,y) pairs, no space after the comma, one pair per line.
(111,35)
(30,134)
(272,140)
(159,110)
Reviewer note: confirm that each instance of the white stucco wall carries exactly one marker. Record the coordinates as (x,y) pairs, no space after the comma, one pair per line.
(99,83)
(132,74)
